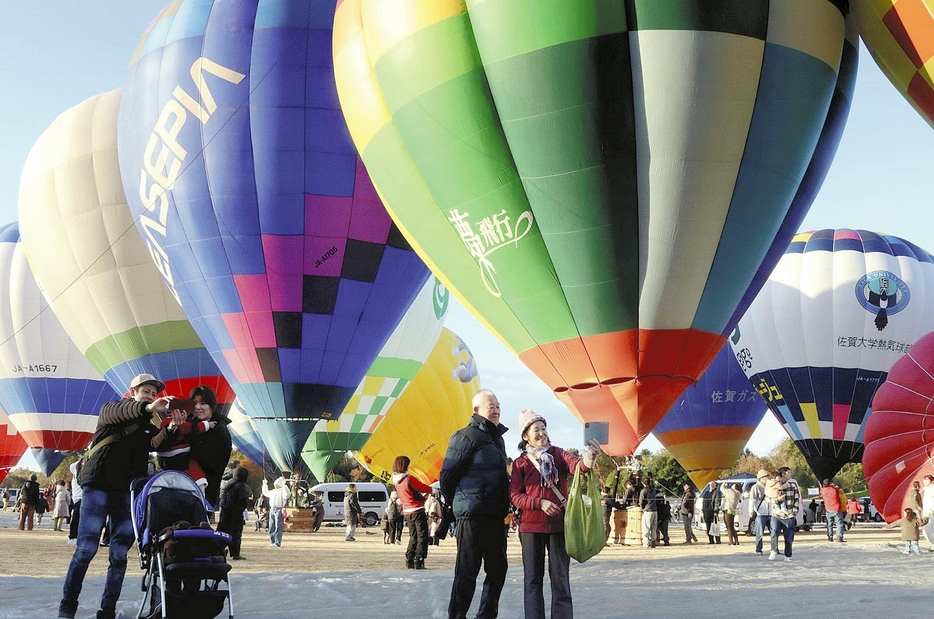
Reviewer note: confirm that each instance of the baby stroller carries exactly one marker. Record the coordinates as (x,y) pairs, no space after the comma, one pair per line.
(185,571)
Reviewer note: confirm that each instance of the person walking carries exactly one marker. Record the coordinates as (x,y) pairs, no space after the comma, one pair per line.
(539,487)
(732,495)
(760,510)
(29,500)
(413,494)
(62,508)
(475,483)
(234,501)
(687,514)
(352,512)
(786,499)
(834,509)
(710,505)
(278,498)
(119,453)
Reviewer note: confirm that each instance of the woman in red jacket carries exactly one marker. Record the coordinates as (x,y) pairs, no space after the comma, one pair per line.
(412,493)
(539,487)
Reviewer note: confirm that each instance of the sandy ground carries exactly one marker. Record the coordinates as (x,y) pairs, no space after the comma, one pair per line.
(321,575)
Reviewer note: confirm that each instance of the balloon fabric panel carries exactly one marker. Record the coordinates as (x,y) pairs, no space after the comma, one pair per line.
(274,238)
(50,392)
(900,37)
(516,110)
(898,433)
(817,342)
(12,443)
(708,427)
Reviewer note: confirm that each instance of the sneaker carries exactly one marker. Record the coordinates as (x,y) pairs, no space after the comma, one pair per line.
(67,609)
(906,552)
(73,541)
(773,555)
(350,539)
(759,552)
(273,545)
(787,559)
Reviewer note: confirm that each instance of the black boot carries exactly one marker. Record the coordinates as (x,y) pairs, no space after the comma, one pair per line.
(420,564)
(409,564)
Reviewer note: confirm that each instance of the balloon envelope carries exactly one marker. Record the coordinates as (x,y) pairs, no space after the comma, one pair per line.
(48,460)
(243,434)
(601,203)
(12,443)
(708,427)
(840,308)
(429,411)
(49,390)
(82,245)
(251,198)
(900,432)
(400,359)
(898,35)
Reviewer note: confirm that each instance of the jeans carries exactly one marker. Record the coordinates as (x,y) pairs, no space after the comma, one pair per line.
(534,546)
(276,524)
(835,520)
(762,521)
(479,540)
(75,520)
(96,506)
(785,526)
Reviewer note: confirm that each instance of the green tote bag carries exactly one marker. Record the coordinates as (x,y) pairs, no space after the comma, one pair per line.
(584,533)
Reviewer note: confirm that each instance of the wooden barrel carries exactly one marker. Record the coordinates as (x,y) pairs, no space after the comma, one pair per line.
(633,526)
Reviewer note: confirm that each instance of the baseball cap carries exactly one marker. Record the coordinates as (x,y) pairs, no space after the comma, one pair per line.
(147,379)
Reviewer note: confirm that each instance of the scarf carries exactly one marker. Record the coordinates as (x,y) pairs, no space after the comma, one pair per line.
(546,464)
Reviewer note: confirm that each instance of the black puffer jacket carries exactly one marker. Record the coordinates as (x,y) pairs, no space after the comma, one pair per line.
(473,477)
(212,450)
(115,465)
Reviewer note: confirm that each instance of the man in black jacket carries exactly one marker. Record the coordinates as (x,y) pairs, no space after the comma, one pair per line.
(118,454)
(28,501)
(474,481)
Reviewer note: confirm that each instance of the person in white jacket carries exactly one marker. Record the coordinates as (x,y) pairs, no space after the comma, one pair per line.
(760,511)
(76,495)
(278,498)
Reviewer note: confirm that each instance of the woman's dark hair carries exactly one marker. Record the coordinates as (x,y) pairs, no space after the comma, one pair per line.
(401,464)
(910,514)
(207,395)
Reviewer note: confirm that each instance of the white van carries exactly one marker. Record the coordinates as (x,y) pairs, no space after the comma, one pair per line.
(373,498)
(743,525)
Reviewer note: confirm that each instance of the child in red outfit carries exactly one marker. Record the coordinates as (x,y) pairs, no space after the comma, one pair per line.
(173,447)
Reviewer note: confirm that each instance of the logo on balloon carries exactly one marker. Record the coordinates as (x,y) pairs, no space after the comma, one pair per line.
(494,233)
(883,294)
(440,299)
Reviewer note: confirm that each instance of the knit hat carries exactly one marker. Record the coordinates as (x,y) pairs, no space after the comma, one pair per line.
(763,473)
(527,417)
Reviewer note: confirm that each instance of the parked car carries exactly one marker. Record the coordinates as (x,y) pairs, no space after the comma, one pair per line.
(373,499)
(869,510)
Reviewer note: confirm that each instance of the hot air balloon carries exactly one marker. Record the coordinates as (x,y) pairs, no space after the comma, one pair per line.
(12,445)
(257,210)
(49,390)
(83,247)
(434,406)
(710,424)
(840,308)
(599,183)
(898,35)
(900,432)
(47,459)
(243,434)
(394,368)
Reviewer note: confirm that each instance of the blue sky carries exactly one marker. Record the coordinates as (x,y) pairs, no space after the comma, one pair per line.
(57,53)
